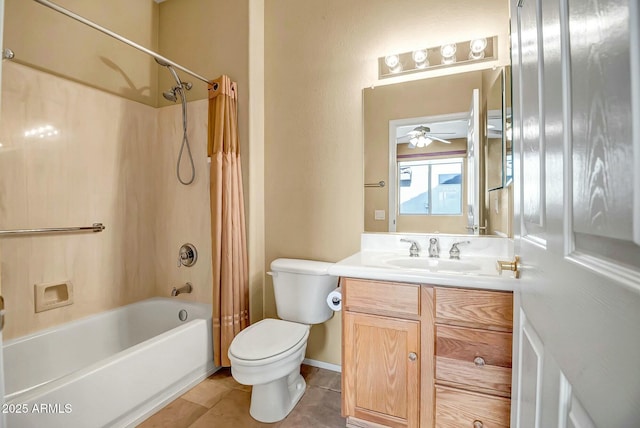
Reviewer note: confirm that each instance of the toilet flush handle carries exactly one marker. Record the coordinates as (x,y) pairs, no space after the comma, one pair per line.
(273,274)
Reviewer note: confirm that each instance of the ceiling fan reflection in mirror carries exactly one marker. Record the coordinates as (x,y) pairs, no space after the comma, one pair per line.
(421,136)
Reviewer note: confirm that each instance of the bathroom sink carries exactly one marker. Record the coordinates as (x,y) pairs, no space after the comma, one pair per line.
(432,264)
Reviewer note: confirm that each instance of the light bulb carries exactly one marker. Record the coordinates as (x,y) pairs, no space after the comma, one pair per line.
(477,45)
(474,55)
(448,51)
(392,60)
(419,56)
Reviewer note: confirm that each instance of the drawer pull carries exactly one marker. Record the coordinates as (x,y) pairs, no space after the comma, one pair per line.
(413,356)
(479,362)
(477,424)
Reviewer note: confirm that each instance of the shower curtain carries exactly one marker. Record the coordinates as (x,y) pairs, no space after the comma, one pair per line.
(228,234)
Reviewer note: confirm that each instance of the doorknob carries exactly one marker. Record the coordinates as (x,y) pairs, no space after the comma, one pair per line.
(507,265)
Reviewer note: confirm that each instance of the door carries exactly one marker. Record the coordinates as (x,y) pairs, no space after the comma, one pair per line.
(576,128)
(382,383)
(2,414)
(473,166)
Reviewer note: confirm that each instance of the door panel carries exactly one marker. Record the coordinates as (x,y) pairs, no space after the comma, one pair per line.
(576,348)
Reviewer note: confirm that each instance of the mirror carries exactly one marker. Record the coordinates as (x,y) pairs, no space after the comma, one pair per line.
(495,134)
(410,139)
(499,153)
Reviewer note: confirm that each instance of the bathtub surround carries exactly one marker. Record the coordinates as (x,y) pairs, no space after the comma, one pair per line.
(228,235)
(113,162)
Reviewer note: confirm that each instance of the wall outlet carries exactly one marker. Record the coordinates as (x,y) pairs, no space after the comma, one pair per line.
(379,214)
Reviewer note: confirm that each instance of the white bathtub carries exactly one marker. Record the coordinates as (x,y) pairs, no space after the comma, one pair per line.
(112,369)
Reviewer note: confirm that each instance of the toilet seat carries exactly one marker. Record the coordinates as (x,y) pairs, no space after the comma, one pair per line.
(268,340)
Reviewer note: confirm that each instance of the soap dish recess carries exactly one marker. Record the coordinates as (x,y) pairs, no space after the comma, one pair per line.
(52,295)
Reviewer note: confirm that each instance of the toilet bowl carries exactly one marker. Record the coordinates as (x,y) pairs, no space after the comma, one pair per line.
(268,354)
(272,368)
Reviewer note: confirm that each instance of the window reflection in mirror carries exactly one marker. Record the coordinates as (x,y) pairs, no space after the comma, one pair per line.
(430,187)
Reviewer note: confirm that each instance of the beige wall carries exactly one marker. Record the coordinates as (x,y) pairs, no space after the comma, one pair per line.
(318,58)
(47,40)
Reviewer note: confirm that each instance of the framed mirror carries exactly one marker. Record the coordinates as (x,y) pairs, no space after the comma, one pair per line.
(412,110)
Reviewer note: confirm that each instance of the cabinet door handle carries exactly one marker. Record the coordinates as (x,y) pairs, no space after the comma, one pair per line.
(413,356)
(477,424)
(479,362)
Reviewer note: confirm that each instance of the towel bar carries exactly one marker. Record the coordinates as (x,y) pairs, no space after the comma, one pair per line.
(96,227)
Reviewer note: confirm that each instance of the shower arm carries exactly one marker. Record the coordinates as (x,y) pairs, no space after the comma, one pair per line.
(116,36)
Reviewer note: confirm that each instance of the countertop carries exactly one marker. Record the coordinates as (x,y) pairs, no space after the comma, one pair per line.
(371,265)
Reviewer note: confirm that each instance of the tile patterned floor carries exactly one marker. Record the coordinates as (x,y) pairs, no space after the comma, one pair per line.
(220,402)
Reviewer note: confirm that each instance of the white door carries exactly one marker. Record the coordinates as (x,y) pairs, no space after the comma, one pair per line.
(2,414)
(473,166)
(576,81)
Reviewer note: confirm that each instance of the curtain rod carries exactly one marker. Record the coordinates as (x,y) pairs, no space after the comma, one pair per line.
(95,26)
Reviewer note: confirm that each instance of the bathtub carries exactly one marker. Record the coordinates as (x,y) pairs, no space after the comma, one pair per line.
(113,369)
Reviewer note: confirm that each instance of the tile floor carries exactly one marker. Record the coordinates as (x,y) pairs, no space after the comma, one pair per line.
(220,402)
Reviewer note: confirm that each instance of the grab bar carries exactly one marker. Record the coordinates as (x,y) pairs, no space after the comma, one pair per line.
(96,227)
(378,184)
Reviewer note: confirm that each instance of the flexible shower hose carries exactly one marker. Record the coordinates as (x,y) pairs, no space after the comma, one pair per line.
(185,142)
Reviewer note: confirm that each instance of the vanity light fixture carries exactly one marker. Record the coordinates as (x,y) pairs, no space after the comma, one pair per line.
(446,55)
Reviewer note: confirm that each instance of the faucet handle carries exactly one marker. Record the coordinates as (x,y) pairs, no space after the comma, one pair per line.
(454,252)
(414,250)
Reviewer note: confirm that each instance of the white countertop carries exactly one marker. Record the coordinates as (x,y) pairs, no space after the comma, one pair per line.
(366,265)
(384,257)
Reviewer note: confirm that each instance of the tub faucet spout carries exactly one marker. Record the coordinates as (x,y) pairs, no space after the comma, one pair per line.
(184,289)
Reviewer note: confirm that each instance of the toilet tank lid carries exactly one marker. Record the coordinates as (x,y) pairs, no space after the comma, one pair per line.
(307,267)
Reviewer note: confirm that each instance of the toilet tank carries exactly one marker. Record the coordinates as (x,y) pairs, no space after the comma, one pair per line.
(301,288)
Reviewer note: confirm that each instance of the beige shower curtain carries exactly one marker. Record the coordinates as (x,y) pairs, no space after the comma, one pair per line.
(228,235)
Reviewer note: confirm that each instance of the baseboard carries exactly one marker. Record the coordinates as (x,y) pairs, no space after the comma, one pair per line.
(322,365)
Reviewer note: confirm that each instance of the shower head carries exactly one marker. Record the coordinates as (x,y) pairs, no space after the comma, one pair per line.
(170,95)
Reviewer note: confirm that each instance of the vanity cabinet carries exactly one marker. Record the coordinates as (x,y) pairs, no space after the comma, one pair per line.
(424,356)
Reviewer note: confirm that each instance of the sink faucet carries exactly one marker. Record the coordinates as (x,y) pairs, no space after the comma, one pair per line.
(434,248)
(414,250)
(454,252)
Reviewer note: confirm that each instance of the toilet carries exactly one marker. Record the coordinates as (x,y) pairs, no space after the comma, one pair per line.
(268,354)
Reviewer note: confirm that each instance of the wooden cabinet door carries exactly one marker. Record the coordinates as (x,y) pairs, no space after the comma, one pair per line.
(381,369)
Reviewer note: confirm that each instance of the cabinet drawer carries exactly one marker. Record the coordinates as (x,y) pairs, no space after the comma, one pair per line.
(477,358)
(491,310)
(456,409)
(384,298)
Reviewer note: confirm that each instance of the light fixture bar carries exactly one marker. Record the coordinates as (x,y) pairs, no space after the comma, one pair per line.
(446,55)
